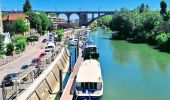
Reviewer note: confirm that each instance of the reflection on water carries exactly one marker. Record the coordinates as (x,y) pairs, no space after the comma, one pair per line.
(132,71)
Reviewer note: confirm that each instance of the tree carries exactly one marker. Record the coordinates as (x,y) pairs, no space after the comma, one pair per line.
(142,8)
(21,45)
(35,21)
(105,20)
(27,6)
(10,48)
(161,41)
(46,22)
(2,44)
(59,33)
(64,26)
(21,26)
(122,23)
(163,6)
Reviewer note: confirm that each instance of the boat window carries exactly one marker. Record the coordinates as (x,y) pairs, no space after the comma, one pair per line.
(92,49)
(95,85)
(86,86)
(91,85)
(82,85)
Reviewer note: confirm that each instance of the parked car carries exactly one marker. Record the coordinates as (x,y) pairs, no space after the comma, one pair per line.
(24,67)
(51,46)
(7,81)
(44,40)
(48,51)
(36,62)
(42,55)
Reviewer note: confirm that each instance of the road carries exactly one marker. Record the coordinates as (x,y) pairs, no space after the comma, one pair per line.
(14,66)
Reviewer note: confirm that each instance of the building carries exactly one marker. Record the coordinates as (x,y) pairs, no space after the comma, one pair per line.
(56,20)
(1,27)
(9,22)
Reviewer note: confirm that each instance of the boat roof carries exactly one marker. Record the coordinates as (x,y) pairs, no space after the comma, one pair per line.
(92,45)
(89,71)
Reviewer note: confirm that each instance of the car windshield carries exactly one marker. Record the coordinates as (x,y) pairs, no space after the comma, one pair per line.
(50,46)
(9,76)
(47,50)
(35,60)
(43,54)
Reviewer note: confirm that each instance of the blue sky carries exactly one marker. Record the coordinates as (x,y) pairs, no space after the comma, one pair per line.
(76,5)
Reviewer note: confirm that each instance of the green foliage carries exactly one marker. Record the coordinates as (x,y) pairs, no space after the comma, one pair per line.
(21,26)
(105,20)
(142,8)
(35,21)
(46,22)
(40,22)
(161,41)
(32,38)
(121,23)
(2,44)
(163,6)
(27,6)
(16,37)
(10,48)
(21,45)
(59,32)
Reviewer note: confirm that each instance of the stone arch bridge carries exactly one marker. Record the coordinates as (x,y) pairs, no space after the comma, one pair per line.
(83,15)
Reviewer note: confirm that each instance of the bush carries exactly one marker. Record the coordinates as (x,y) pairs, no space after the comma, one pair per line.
(32,38)
(10,48)
(161,41)
(1,44)
(59,32)
(21,45)
(18,37)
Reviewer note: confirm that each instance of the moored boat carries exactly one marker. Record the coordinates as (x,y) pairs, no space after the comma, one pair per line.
(89,83)
(90,51)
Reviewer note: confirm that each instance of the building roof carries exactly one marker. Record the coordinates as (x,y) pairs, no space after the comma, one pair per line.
(14,16)
(89,71)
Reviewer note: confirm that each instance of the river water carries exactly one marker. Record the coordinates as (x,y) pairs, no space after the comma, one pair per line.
(132,71)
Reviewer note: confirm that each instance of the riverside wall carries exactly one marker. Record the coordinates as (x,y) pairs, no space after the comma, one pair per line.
(47,85)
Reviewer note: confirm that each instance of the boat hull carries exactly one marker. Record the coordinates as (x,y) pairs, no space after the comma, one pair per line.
(88,98)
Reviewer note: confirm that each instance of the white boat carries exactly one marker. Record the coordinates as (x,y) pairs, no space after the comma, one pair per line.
(73,42)
(89,83)
(90,51)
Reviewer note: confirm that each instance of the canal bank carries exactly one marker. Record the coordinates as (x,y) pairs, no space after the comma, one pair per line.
(132,71)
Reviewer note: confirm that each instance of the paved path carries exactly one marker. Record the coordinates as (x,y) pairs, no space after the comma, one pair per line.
(66,93)
(14,66)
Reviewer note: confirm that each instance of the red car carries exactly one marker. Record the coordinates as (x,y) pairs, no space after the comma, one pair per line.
(42,55)
(36,62)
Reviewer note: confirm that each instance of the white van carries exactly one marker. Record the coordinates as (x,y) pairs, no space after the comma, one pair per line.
(51,46)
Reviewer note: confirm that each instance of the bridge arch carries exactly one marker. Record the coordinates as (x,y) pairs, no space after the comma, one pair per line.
(74,18)
(97,18)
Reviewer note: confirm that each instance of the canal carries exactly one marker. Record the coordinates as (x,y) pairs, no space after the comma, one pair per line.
(132,71)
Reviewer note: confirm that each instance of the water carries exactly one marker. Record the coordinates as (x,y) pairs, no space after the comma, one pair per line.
(132,71)
(72,52)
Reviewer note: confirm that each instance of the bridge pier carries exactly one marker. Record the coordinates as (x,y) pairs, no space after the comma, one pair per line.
(83,20)
(92,15)
(68,17)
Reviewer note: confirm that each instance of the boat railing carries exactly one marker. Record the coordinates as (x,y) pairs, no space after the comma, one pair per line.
(80,90)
